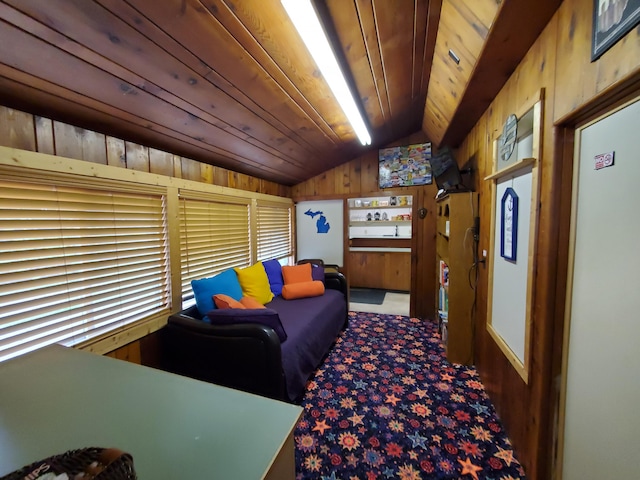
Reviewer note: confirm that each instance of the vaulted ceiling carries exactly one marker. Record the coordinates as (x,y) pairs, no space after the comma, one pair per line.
(229,82)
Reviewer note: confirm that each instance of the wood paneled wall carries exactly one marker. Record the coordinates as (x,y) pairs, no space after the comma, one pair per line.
(359,177)
(25,131)
(463,29)
(146,351)
(559,62)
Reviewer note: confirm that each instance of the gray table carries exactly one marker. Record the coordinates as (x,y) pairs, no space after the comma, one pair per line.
(58,399)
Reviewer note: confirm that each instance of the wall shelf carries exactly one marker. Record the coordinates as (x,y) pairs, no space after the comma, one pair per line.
(379,223)
(511,168)
(383,207)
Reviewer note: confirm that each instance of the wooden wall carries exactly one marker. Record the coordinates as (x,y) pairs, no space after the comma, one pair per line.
(38,134)
(359,177)
(145,351)
(559,62)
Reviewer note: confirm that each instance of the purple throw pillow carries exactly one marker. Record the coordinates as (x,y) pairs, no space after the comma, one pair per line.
(317,272)
(274,274)
(263,316)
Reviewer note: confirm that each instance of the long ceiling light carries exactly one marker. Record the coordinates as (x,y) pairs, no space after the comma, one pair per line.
(304,18)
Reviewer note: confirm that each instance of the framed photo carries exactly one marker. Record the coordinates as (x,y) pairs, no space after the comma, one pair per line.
(612,19)
(404,166)
(509,225)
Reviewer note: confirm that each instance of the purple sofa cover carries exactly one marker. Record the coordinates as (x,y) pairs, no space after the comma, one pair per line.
(312,325)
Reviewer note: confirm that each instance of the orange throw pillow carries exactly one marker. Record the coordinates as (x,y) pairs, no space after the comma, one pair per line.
(292,291)
(251,303)
(225,301)
(297,273)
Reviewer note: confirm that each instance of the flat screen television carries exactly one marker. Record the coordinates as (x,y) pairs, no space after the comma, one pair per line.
(445,171)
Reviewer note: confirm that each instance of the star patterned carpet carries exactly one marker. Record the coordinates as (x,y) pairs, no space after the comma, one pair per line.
(386,404)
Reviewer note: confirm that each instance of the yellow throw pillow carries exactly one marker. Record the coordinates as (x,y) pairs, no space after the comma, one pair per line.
(255,283)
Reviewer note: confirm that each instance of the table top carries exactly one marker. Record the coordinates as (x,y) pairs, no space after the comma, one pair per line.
(58,399)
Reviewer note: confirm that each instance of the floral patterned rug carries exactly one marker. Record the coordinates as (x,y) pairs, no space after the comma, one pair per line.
(386,404)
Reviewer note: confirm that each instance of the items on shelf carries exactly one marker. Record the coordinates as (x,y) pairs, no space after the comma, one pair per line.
(378,217)
(444,328)
(443,300)
(444,274)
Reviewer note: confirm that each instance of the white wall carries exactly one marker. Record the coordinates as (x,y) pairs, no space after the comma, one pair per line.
(510,278)
(327,246)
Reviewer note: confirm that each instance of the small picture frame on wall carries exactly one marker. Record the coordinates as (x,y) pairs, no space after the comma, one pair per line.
(509,225)
(612,19)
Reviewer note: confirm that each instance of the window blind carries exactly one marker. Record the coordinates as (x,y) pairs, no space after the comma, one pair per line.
(273,231)
(76,263)
(214,236)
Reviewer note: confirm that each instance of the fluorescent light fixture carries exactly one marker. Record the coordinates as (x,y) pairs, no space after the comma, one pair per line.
(304,18)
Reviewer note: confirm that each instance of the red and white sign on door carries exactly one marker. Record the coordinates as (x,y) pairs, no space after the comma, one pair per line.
(603,160)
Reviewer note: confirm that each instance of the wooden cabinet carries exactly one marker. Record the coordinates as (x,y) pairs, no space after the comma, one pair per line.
(455,214)
(386,270)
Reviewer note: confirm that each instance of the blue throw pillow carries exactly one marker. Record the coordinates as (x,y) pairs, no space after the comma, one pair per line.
(274,274)
(263,316)
(205,288)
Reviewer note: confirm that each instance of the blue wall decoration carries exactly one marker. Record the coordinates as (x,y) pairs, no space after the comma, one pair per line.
(509,225)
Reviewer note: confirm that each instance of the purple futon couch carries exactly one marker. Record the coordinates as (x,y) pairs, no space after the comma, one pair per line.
(251,356)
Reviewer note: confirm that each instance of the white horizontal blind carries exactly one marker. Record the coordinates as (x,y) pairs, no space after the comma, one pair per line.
(273,231)
(214,236)
(76,263)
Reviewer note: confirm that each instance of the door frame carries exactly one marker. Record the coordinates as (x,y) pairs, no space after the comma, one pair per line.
(567,144)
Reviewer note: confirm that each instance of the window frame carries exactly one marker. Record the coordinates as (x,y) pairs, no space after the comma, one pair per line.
(281,254)
(28,165)
(220,209)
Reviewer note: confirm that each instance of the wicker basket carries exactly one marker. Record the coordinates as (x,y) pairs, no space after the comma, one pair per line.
(86,464)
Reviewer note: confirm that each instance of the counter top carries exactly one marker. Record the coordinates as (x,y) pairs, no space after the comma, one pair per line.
(380,249)
(378,223)
(57,399)
(386,237)
(380,244)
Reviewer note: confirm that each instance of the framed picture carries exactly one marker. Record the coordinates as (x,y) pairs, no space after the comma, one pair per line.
(612,19)
(404,166)
(509,225)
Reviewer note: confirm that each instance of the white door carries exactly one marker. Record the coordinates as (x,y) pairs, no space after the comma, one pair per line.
(602,408)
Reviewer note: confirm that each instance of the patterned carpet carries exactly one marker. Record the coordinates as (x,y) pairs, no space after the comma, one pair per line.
(387,405)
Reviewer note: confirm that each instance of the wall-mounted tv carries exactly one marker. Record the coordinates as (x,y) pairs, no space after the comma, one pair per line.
(445,171)
(404,166)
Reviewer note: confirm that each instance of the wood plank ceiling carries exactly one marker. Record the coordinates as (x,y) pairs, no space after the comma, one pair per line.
(230,83)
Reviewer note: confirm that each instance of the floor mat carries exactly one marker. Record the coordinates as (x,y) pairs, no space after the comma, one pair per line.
(367,295)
